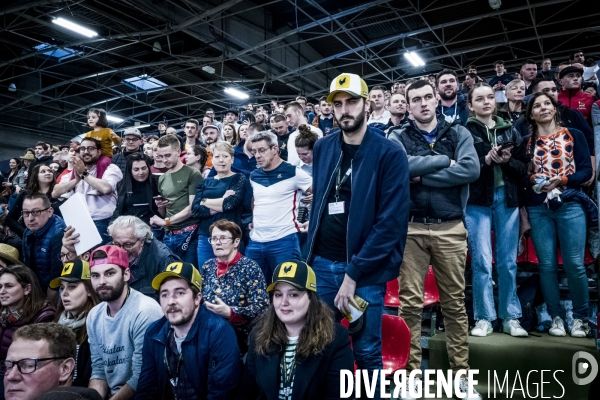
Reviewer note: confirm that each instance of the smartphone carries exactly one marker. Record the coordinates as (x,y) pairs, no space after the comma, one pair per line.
(505,146)
(160,198)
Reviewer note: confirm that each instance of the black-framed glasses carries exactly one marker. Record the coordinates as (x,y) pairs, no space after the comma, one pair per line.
(131,139)
(25,365)
(88,149)
(64,257)
(35,213)
(223,240)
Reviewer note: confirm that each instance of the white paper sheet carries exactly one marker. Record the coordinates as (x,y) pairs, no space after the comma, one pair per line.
(76,214)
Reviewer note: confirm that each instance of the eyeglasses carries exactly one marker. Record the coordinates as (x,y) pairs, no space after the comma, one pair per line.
(25,365)
(126,246)
(260,151)
(89,149)
(35,213)
(131,140)
(548,90)
(223,240)
(64,256)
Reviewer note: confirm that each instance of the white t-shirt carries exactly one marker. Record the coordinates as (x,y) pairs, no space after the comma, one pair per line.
(291,145)
(383,119)
(101,206)
(276,200)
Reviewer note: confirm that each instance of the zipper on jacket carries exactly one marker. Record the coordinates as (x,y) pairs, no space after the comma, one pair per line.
(348,224)
(323,200)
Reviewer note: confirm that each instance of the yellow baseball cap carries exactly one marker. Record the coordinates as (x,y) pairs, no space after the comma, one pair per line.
(349,83)
(295,272)
(183,270)
(73,271)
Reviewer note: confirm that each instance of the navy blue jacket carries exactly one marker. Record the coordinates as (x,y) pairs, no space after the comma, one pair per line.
(462,111)
(378,211)
(210,355)
(41,250)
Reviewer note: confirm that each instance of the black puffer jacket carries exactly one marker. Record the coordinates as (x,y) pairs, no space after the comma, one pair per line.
(481,192)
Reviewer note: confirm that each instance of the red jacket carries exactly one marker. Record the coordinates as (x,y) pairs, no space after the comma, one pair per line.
(578,100)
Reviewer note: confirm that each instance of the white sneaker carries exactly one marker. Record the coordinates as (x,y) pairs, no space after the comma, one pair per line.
(417,384)
(464,388)
(513,328)
(579,329)
(557,328)
(482,328)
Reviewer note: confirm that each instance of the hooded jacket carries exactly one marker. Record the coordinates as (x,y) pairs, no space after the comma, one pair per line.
(576,99)
(378,210)
(461,110)
(481,192)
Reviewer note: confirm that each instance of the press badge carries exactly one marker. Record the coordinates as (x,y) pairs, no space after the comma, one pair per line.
(336,208)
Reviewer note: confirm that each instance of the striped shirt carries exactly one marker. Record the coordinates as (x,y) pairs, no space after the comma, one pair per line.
(286,388)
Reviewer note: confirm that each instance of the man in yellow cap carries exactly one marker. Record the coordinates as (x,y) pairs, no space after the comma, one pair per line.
(359,216)
(190,353)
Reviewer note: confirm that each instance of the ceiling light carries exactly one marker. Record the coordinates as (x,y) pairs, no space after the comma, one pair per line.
(142,126)
(414,59)
(114,119)
(12,87)
(237,93)
(74,27)
(495,4)
(156,47)
(208,69)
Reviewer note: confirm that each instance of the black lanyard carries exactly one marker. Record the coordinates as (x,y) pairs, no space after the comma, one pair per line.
(173,378)
(340,181)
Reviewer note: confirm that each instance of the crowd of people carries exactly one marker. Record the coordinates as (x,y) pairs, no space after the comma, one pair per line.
(232,249)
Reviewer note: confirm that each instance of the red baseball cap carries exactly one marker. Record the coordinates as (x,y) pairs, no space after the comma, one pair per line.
(115,255)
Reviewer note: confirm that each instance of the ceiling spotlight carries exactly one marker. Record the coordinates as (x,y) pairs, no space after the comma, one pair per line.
(12,87)
(209,69)
(495,4)
(114,119)
(74,27)
(414,59)
(236,93)
(156,47)
(141,126)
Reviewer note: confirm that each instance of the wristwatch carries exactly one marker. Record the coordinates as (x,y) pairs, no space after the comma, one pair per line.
(168,221)
(84,174)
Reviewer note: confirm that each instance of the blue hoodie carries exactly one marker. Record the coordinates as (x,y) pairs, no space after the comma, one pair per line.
(459,108)
(378,210)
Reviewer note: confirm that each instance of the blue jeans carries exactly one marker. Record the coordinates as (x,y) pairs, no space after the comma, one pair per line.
(504,221)
(102,226)
(183,245)
(205,250)
(569,222)
(269,254)
(366,343)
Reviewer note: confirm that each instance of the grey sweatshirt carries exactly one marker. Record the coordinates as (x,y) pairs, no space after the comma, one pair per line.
(116,342)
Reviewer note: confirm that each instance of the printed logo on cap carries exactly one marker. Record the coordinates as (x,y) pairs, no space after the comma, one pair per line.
(67,268)
(343,82)
(288,270)
(175,268)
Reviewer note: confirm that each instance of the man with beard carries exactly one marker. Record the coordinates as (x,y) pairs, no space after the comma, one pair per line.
(210,134)
(359,217)
(191,130)
(116,327)
(279,127)
(442,161)
(177,188)
(398,113)
(132,138)
(231,117)
(100,193)
(452,105)
(190,353)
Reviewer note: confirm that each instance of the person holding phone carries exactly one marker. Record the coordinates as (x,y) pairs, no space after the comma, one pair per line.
(493,206)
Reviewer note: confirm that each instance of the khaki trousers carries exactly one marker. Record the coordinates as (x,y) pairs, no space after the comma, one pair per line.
(444,246)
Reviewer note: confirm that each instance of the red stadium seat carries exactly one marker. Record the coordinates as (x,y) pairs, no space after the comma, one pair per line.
(391,298)
(432,294)
(395,342)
